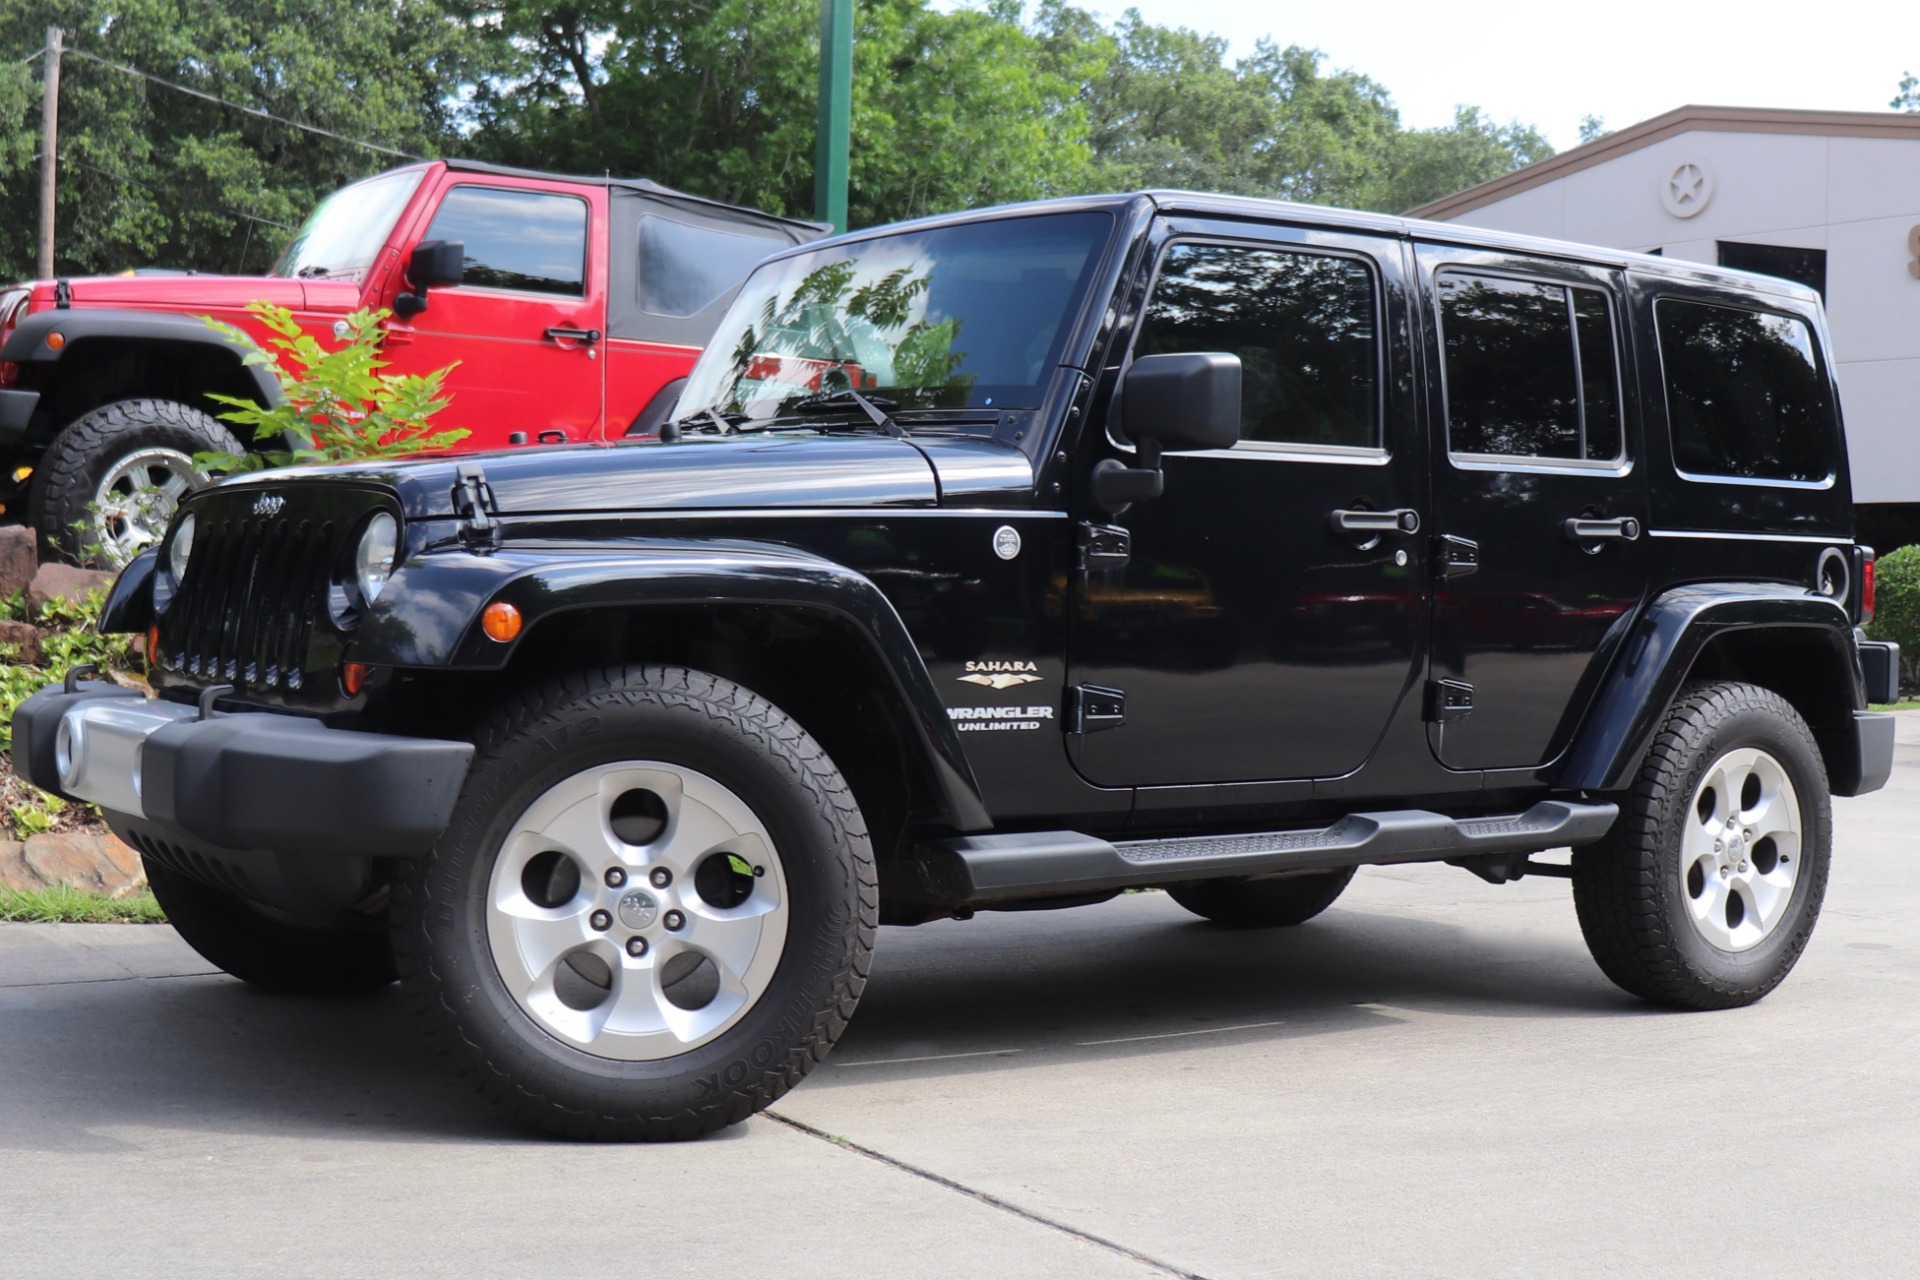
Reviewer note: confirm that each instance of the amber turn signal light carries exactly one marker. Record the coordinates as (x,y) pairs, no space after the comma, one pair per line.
(353,677)
(56,340)
(153,645)
(501,621)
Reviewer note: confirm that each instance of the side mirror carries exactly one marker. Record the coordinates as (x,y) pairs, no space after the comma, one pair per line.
(1176,402)
(434,262)
(1183,401)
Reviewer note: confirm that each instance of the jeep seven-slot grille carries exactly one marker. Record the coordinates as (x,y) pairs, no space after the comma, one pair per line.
(250,600)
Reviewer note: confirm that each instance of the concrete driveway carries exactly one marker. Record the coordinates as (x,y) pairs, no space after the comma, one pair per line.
(1432,1079)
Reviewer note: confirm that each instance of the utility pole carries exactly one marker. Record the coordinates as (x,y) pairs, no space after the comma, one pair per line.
(49,149)
(835,125)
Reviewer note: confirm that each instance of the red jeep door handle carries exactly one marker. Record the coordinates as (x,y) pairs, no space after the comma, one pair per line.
(585,337)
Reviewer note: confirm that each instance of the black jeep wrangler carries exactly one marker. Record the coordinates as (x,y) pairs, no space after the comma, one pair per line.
(1015,559)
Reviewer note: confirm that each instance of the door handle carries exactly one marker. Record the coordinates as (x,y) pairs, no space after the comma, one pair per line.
(586,337)
(1577,529)
(1399,520)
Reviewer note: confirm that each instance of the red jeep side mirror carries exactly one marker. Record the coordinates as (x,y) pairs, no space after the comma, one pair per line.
(434,262)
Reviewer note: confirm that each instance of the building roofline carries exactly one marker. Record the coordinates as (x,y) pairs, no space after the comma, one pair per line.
(1687,119)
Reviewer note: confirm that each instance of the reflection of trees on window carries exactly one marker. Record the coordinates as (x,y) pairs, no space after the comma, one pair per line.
(1530,369)
(1745,396)
(830,333)
(1301,323)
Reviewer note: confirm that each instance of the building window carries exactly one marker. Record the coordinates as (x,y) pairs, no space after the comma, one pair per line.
(1802,266)
(1746,398)
(1530,369)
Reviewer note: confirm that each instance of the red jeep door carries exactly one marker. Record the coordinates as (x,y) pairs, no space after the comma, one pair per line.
(526,323)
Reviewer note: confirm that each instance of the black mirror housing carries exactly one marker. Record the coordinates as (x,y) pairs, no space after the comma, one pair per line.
(437,262)
(1183,401)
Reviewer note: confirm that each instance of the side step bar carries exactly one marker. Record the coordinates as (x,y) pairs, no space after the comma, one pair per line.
(974,870)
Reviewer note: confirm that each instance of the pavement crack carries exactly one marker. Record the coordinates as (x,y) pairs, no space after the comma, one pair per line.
(983,1197)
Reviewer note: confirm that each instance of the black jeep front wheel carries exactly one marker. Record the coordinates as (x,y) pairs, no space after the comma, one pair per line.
(653,911)
(263,951)
(107,487)
(1706,890)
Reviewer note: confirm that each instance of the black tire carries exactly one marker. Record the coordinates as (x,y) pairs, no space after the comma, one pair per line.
(1632,890)
(563,729)
(267,953)
(1263,904)
(69,473)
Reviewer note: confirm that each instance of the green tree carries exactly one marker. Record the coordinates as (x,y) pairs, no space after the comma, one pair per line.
(153,176)
(950,109)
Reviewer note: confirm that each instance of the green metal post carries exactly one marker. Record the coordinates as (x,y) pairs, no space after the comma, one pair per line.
(836,113)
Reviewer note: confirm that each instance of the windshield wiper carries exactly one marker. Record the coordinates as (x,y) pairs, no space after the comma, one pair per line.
(707,419)
(875,408)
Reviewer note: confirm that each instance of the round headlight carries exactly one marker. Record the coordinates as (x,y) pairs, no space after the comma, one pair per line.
(181,549)
(374,562)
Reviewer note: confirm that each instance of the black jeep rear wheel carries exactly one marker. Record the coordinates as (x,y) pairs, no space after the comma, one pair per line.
(245,942)
(652,913)
(1706,890)
(1263,904)
(108,485)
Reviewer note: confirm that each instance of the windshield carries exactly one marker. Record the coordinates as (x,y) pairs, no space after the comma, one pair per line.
(965,317)
(341,238)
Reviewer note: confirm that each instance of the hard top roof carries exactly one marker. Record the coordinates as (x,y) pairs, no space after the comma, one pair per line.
(1288,213)
(644,186)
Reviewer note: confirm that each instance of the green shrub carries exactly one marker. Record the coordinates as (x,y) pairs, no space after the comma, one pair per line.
(1896,611)
(337,404)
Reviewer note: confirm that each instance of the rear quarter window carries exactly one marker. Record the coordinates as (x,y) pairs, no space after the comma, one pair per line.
(1746,396)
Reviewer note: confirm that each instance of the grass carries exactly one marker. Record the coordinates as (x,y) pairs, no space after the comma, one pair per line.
(1905,704)
(66,905)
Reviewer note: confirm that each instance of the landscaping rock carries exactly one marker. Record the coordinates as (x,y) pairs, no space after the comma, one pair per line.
(64,582)
(14,872)
(18,558)
(26,636)
(100,864)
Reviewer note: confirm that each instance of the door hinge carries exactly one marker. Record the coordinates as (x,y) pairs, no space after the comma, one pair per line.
(1092,707)
(1455,557)
(1104,546)
(1448,700)
(473,503)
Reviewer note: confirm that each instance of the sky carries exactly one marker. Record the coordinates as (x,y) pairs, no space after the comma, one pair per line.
(1549,64)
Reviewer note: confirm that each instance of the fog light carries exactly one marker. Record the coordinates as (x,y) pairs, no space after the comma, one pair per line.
(353,677)
(501,621)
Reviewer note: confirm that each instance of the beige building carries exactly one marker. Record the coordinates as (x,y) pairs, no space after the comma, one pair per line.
(1829,198)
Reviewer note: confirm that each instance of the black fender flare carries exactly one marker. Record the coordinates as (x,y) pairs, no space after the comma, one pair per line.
(1661,652)
(429,616)
(27,344)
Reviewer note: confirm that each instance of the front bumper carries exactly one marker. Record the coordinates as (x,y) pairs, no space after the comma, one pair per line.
(245,781)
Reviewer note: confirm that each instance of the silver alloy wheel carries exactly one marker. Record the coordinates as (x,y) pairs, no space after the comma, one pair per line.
(597,922)
(136,499)
(1740,856)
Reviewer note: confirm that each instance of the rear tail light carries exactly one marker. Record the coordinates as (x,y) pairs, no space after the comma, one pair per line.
(1866,586)
(9,373)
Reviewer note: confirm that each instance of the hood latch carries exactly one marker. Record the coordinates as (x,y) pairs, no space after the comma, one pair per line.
(473,503)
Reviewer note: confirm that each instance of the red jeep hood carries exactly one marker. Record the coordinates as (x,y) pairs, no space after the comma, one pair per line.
(198,292)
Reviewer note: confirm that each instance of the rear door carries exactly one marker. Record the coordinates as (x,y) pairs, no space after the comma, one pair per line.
(526,325)
(1250,637)
(1540,499)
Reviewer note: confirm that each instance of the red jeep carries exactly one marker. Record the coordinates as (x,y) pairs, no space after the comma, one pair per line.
(573,306)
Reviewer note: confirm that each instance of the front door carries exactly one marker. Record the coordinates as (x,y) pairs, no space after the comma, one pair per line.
(1538,499)
(1252,637)
(524,329)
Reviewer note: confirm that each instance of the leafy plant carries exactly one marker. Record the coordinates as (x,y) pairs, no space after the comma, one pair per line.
(336,403)
(36,816)
(1896,614)
(63,904)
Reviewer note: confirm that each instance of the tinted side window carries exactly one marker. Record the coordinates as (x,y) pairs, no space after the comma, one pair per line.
(1303,325)
(1745,396)
(1531,369)
(684,268)
(524,240)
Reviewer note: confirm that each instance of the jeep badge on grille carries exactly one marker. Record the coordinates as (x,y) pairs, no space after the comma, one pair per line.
(268,504)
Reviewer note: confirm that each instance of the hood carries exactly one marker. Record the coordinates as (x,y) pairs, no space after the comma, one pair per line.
(183,292)
(699,473)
